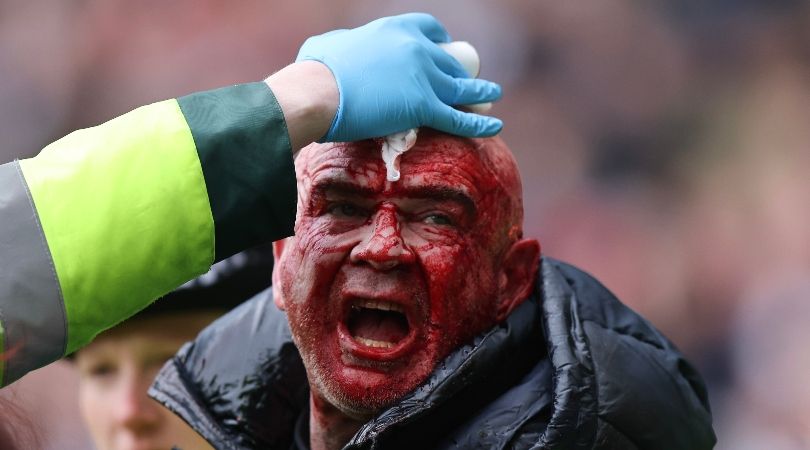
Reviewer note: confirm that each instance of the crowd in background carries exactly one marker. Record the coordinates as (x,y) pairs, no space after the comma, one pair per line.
(664,147)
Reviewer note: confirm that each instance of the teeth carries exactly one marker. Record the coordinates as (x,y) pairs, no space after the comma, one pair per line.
(381,305)
(374,343)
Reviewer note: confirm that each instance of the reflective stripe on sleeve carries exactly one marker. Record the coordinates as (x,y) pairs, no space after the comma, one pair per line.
(32,315)
(125,212)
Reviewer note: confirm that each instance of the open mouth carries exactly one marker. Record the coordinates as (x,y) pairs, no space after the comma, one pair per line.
(377,324)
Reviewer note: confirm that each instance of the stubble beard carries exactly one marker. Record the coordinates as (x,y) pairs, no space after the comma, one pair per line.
(324,383)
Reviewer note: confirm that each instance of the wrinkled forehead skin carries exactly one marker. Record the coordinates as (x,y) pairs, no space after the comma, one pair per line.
(484,169)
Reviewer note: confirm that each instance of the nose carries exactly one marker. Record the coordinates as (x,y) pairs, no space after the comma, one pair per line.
(383,247)
(133,409)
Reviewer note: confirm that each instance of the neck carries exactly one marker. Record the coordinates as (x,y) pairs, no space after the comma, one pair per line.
(329,428)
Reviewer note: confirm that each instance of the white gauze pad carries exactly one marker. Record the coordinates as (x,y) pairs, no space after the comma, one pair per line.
(393,146)
(398,143)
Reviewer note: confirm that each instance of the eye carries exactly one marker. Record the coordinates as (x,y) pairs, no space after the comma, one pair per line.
(101,370)
(437,219)
(345,210)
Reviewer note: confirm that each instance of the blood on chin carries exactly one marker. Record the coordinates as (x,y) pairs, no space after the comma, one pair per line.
(363,392)
(361,388)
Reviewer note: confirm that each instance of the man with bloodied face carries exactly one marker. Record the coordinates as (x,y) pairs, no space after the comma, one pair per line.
(383,279)
(416,315)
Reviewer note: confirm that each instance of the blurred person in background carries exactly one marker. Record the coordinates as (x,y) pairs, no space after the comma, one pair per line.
(116,369)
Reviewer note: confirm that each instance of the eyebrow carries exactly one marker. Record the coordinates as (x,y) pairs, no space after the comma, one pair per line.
(443,193)
(341,187)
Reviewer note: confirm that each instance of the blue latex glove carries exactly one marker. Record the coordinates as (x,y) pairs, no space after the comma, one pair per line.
(392,76)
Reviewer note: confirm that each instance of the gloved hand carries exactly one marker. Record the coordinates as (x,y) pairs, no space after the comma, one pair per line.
(392,76)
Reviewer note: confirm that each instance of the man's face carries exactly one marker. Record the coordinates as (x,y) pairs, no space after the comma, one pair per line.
(383,280)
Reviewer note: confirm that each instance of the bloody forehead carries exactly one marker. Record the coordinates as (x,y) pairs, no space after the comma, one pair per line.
(450,166)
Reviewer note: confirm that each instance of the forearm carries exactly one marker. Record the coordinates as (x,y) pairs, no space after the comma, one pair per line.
(107,219)
(307,93)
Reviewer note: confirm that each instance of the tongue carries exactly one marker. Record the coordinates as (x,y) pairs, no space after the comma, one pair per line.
(387,326)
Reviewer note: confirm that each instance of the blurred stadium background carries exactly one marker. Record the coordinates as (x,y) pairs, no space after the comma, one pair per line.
(664,147)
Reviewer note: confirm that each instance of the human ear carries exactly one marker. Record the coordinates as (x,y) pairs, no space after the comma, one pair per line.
(278,250)
(517,275)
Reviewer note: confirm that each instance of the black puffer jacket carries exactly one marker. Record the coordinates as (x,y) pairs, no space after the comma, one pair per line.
(571,368)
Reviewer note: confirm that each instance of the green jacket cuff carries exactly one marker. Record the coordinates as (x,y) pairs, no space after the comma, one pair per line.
(244,149)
